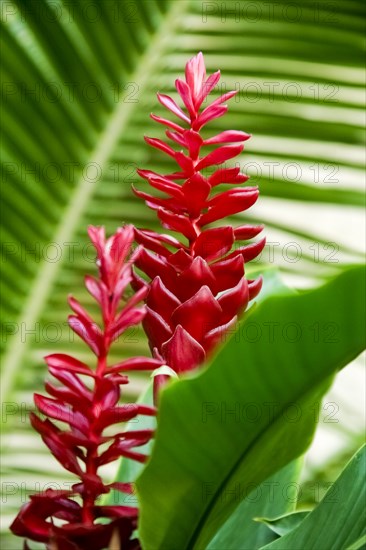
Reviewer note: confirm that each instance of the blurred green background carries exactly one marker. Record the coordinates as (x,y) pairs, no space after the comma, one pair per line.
(79,79)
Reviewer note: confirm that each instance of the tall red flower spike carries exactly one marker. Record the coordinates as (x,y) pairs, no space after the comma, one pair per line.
(198,286)
(88,410)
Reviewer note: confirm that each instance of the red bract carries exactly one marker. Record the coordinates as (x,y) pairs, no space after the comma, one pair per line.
(86,410)
(197,291)
(198,285)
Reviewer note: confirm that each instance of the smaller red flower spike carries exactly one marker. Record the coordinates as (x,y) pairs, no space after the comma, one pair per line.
(86,403)
(198,286)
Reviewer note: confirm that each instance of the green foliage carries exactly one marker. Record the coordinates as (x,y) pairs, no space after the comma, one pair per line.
(284,524)
(272,497)
(359,544)
(338,522)
(203,452)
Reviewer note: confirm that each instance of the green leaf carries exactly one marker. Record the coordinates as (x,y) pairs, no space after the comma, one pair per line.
(273,496)
(339,519)
(284,524)
(217,430)
(360,543)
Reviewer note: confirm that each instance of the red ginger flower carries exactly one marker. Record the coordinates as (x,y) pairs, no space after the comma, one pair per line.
(88,410)
(198,286)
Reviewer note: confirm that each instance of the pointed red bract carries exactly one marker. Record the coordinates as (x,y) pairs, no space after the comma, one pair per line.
(198,288)
(182,351)
(86,412)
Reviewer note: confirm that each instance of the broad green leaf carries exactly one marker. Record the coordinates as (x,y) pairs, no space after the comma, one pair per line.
(284,524)
(339,520)
(273,496)
(359,544)
(217,430)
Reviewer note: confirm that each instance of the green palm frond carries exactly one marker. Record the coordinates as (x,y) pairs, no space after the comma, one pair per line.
(79,80)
